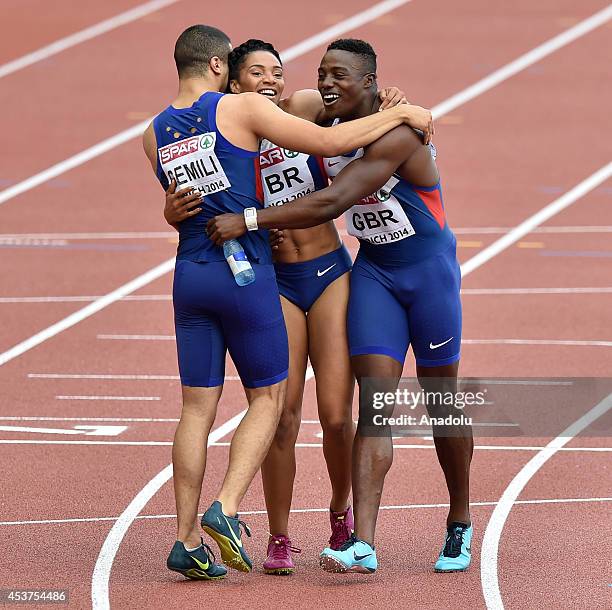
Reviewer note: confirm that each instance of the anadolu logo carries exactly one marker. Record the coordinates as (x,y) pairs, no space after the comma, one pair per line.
(382,195)
(207,141)
(291,154)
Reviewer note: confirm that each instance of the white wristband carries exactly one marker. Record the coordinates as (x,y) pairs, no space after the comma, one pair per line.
(250,219)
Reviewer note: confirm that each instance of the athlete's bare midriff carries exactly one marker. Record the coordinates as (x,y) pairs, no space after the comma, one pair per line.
(300,245)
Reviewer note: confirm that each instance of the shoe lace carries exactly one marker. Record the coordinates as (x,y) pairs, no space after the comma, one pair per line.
(340,530)
(454,541)
(245,527)
(349,543)
(209,551)
(281,547)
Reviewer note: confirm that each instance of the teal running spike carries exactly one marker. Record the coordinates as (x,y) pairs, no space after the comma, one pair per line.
(457,552)
(354,555)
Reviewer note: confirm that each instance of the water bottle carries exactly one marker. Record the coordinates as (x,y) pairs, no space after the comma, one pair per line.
(239,264)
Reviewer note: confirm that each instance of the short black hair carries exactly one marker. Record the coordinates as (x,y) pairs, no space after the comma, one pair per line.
(196,46)
(238,55)
(358,47)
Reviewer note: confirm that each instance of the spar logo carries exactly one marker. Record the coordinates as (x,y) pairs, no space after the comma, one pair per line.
(290,154)
(207,140)
(188,146)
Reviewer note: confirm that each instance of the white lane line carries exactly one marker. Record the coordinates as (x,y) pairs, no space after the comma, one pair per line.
(168,297)
(462,97)
(490,544)
(117,419)
(87,311)
(18,441)
(137,337)
(118,377)
(568,342)
(560,204)
(551,230)
(536,342)
(102,376)
(131,398)
(75,161)
(104,563)
(84,298)
(7,441)
(559,290)
(87,34)
(87,430)
(304,511)
(524,61)
(335,31)
(479,447)
(10,237)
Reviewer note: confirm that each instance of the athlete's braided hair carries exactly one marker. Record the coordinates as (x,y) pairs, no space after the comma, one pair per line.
(358,47)
(238,55)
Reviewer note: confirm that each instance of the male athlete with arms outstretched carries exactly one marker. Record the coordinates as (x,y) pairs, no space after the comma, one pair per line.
(404,290)
(210,141)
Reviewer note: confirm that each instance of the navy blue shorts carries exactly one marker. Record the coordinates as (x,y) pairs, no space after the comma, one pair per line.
(212,313)
(303,283)
(393,307)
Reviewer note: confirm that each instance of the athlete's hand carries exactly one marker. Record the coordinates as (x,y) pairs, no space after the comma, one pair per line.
(276,238)
(224,227)
(418,118)
(391,96)
(181,204)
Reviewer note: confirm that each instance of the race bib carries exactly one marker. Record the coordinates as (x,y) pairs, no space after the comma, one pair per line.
(285,175)
(379,218)
(193,163)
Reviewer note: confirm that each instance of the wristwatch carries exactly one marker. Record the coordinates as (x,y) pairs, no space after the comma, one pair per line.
(250,219)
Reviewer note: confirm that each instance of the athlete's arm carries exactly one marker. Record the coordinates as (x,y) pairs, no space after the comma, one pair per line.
(362,177)
(306,104)
(250,114)
(149,143)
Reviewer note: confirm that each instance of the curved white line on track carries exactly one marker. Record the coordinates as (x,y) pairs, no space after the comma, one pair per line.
(87,34)
(101,574)
(490,544)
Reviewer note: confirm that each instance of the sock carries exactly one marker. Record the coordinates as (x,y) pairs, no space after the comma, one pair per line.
(191,550)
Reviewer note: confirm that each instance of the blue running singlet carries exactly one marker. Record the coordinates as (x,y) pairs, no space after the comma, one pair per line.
(192,151)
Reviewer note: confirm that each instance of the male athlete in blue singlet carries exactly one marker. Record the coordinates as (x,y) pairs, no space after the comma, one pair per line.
(404,290)
(210,142)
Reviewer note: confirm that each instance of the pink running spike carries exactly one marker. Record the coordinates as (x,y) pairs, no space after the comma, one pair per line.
(342,525)
(279,559)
